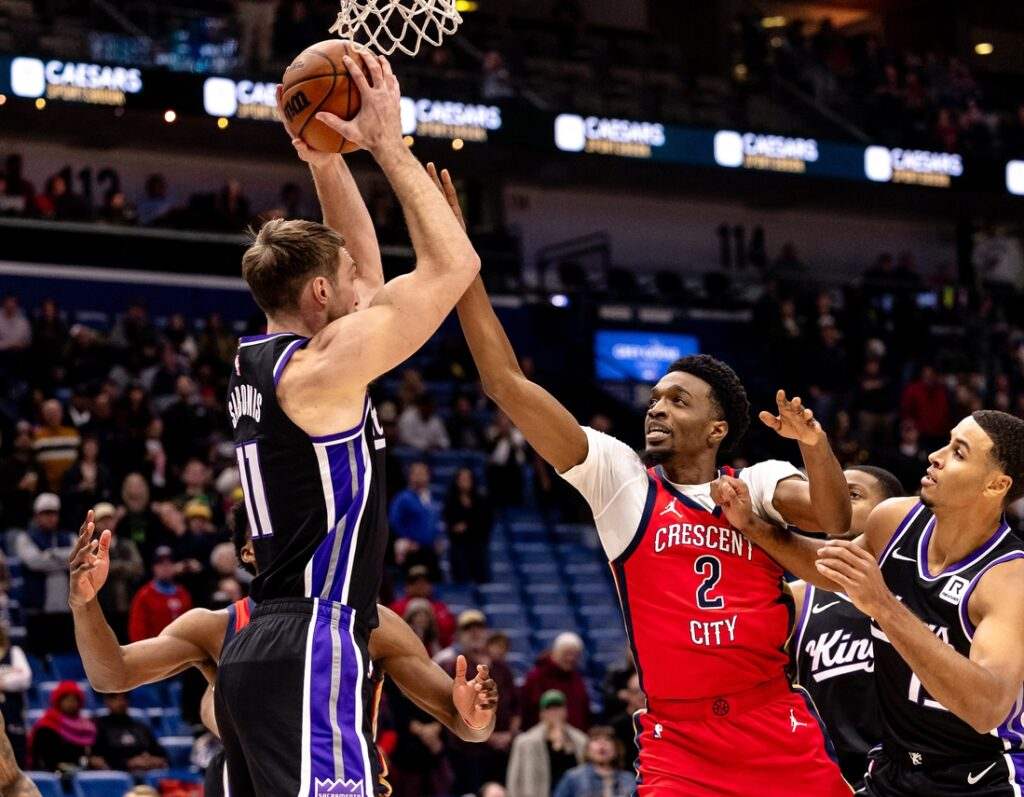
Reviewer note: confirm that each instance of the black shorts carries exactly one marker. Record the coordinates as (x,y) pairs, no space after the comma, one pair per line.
(295,703)
(896,775)
(213,780)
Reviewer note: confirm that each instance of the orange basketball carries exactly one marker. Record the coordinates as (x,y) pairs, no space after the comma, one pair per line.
(318,81)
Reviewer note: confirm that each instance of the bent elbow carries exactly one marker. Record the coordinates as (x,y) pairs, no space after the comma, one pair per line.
(471,264)
(988,720)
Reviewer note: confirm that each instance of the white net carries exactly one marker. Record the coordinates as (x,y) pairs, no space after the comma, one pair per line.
(389,25)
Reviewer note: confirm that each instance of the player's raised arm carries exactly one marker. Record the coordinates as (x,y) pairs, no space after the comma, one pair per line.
(345,212)
(467,708)
(822,502)
(547,425)
(110,666)
(406,311)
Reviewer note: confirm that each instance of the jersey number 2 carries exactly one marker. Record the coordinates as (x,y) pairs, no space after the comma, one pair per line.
(711,569)
(252,488)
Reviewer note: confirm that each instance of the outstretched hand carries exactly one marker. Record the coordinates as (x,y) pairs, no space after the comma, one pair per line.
(379,120)
(447,187)
(476,700)
(89,563)
(793,421)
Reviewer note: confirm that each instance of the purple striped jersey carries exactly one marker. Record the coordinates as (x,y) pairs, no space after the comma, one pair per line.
(912,720)
(316,505)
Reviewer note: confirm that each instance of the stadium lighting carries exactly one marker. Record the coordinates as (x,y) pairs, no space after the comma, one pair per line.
(773,22)
(408,141)
(40,103)
(170,116)
(559,300)
(222,123)
(984,48)
(457,144)
(3,99)
(466,6)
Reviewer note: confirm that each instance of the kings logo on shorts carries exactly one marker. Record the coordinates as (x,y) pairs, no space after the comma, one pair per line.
(333,788)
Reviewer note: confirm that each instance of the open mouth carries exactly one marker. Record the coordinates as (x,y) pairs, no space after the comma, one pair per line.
(657,433)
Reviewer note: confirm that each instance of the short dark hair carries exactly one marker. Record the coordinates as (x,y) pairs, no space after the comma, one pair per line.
(891,486)
(283,255)
(240,534)
(728,395)
(1007,434)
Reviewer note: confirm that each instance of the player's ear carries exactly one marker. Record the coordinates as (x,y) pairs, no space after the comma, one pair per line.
(998,486)
(717,432)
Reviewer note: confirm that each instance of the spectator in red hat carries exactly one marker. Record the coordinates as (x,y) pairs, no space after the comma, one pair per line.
(63,737)
(159,602)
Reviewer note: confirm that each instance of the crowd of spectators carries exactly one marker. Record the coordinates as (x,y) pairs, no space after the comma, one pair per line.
(130,423)
(900,98)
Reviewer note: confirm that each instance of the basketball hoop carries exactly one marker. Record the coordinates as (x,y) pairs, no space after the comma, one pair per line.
(389,25)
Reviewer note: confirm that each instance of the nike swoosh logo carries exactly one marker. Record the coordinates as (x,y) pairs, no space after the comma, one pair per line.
(902,558)
(819,608)
(972,779)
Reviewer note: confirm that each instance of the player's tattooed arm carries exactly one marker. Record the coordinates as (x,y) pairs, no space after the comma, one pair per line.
(980,689)
(13,782)
(822,502)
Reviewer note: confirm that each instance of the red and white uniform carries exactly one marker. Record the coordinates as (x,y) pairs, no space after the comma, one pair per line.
(708,617)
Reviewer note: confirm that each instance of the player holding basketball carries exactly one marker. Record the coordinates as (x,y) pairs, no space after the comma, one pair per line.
(705,610)
(943,581)
(292,690)
(831,644)
(198,637)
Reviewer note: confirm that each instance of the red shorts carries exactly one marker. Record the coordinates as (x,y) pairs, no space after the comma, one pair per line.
(766,742)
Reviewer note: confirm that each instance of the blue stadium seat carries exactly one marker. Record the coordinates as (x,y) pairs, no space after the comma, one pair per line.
(553,618)
(14,566)
(592,591)
(455,593)
(538,572)
(532,551)
(550,592)
(584,570)
(102,784)
(186,774)
(67,667)
(601,616)
(148,696)
(179,749)
(506,616)
(498,592)
(47,783)
(40,671)
(15,612)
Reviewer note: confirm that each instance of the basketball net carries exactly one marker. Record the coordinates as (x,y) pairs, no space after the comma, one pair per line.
(389,25)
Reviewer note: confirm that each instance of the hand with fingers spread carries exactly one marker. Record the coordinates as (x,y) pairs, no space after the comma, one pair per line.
(733,496)
(857,573)
(793,421)
(89,563)
(476,700)
(447,187)
(378,125)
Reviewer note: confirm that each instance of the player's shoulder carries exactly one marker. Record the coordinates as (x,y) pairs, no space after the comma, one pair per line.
(199,625)
(885,519)
(1000,588)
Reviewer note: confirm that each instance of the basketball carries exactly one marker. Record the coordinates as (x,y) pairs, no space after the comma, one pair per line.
(318,81)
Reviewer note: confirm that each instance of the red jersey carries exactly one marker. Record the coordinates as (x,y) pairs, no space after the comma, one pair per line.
(706,610)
